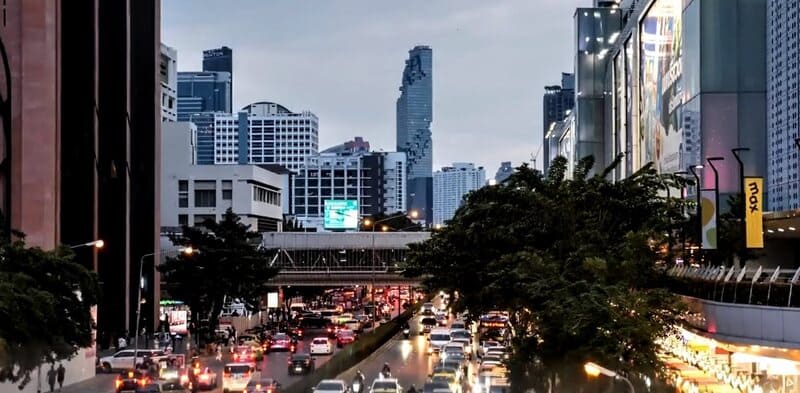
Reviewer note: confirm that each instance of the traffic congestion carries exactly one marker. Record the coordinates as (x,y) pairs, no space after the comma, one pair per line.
(435,351)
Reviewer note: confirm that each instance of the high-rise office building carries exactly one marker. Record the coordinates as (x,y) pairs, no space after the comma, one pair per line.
(504,172)
(783,105)
(557,102)
(220,60)
(81,124)
(203,92)
(376,180)
(265,133)
(168,70)
(414,116)
(357,146)
(450,184)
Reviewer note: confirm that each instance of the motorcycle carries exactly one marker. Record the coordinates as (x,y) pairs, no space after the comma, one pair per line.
(406,332)
(385,374)
(356,386)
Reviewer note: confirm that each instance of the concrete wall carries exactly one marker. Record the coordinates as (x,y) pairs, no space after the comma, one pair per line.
(747,324)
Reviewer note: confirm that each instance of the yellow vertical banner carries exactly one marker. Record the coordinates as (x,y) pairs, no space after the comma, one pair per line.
(753,211)
(708,216)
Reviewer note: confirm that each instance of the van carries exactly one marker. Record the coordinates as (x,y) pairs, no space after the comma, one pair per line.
(297,307)
(236,376)
(438,339)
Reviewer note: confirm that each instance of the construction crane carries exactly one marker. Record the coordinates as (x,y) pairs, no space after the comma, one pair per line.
(535,156)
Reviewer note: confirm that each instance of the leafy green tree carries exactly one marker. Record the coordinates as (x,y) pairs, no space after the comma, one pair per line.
(574,261)
(45,305)
(731,245)
(228,262)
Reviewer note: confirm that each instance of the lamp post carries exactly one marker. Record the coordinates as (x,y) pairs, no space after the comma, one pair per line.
(683,235)
(694,169)
(711,161)
(413,214)
(594,370)
(184,250)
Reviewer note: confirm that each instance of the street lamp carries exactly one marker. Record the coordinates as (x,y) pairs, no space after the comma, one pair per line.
(183,250)
(594,370)
(413,214)
(683,213)
(699,227)
(735,152)
(711,161)
(99,243)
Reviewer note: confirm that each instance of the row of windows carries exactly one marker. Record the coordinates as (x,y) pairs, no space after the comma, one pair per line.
(261,194)
(205,192)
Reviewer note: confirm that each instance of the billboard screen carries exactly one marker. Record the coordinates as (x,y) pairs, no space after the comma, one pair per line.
(341,214)
(661,86)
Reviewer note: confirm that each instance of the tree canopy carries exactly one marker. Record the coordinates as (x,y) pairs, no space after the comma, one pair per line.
(45,305)
(574,261)
(393,222)
(228,262)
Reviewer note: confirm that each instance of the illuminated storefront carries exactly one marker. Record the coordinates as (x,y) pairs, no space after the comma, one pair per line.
(702,364)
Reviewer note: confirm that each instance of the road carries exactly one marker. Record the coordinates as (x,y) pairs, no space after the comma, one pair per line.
(407,358)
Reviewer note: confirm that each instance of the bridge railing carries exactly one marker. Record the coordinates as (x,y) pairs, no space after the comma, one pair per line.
(338,260)
(746,285)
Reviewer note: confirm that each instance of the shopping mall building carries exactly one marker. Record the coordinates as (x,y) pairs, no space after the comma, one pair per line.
(679,82)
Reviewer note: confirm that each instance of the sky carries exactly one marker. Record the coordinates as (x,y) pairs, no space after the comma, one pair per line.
(343,60)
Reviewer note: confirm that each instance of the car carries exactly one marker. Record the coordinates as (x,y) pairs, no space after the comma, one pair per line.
(499,385)
(436,387)
(427,324)
(467,346)
(331,386)
(345,337)
(449,379)
(301,363)
(244,354)
(207,379)
(150,387)
(441,319)
(296,332)
(386,385)
(456,360)
(452,348)
(500,352)
(353,324)
(427,308)
(458,324)
(172,387)
(282,342)
(485,345)
(491,359)
(236,376)
(263,385)
(128,381)
(461,333)
(342,318)
(169,373)
(123,359)
(437,339)
(321,345)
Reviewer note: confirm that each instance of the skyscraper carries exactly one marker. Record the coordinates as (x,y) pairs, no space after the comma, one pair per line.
(558,100)
(504,172)
(168,71)
(414,116)
(450,185)
(203,92)
(220,60)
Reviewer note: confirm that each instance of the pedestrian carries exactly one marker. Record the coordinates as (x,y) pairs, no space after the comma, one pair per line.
(121,343)
(51,378)
(60,375)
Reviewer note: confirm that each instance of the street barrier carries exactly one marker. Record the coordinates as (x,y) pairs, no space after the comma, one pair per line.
(748,285)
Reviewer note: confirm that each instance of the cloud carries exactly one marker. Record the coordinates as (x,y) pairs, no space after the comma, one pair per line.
(343,60)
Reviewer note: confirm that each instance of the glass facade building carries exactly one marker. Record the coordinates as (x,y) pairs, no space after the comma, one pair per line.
(557,103)
(220,60)
(203,92)
(414,116)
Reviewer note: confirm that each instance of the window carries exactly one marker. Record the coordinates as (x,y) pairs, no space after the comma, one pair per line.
(183,193)
(199,219)
(205,193)
(227,190)
(183,219)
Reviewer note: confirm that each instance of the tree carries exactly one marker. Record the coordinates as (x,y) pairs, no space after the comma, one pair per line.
(572,260)
(229,262)
(45,305)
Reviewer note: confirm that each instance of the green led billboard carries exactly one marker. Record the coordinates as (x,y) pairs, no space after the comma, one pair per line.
(341,214)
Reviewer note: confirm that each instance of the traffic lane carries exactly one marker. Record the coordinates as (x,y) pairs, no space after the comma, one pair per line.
(275,364)
(407,358)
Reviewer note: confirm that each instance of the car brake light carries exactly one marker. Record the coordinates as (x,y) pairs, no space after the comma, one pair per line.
(117,383)
(204,377)
(130,374)
(258,386)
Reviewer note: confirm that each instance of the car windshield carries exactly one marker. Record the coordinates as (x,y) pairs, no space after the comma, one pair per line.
(320,341)
(281,336)
(440,337)
(346,333)
(330,386)
(384,385)
(237,369)
(263,382)
(460,334)
(428,321)
(499,389)
(171,386)
(299,357)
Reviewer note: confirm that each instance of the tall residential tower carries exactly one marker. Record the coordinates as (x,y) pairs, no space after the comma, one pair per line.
(414,116)
(450,185)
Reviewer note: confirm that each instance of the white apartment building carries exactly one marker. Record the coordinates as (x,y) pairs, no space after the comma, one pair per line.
(192,193)
(376,180)
(265,133)
(168,72)
(450,184)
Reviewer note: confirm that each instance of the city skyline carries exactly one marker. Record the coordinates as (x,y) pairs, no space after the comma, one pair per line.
(356,90)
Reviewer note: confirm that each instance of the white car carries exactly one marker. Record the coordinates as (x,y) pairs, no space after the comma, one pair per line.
(485,345)
(331,386)
(321,345)
(123,359)
(437,339)
(236,376)
(467,346)
(386,385)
